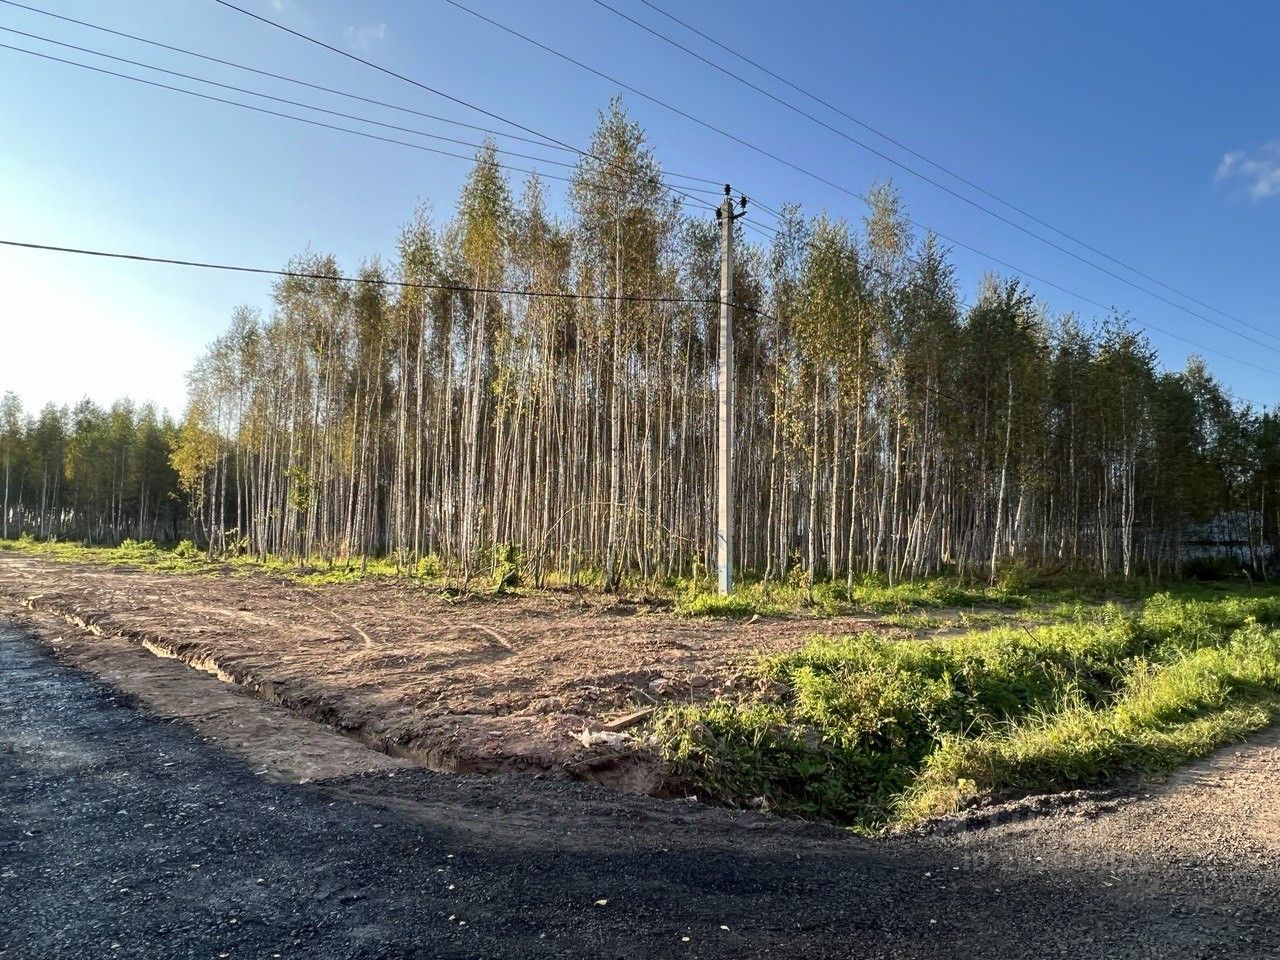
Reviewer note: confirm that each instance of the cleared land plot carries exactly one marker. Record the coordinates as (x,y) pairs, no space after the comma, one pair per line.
(478,684)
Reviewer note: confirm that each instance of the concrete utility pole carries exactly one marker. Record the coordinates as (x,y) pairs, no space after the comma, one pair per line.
(724,423)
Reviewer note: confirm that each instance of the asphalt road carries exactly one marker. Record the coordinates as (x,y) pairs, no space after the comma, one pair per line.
(123,834)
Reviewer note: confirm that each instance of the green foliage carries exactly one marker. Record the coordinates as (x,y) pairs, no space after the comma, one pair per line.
(507,568)
(1210,569)
(193,452)
(738,604)
(870,731)
(429,567)
(869,595)
(187,557)
(300,489)
(914,621)
(885,424)
(484,211)
(128,545)
(1166,714)
(129,552)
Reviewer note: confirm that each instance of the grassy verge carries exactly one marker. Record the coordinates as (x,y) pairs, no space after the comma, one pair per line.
(187,558)
(871,731)
(920,604)
(924,604)
(184,558)
(869,595)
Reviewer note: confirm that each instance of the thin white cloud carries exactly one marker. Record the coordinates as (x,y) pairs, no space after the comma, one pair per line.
(292,9)
(1258,170)
(362,39)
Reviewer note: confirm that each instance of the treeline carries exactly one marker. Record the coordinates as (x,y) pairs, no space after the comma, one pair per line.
(88,473)
(880,423)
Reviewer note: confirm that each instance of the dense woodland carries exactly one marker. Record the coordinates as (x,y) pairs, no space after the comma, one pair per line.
(881,424)
(89,473)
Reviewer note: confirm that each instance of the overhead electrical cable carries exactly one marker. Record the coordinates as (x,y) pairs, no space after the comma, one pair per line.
(273,98)
(400,76)
(763,151)
(459,288)
(902,146)
(504,166)
(406,284)
(434,90)
(327,126)
(287,79)
(778,158)
(538,140)
(542,140)
(682,189)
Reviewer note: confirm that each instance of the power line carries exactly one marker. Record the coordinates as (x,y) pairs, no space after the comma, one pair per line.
(938,391)
(447,287)
(326,126)
(819,177)
(681,189)
(279,76)
(399,76)
(305,106)
(767,232)
(1149,327)
(267,96)
(516,169)
(552,176)
(406,284)
(454,288)
(540,139)
(900,145)
(770,234)
(430,89)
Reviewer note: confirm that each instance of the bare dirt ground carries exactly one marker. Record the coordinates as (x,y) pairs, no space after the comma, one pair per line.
(478,684)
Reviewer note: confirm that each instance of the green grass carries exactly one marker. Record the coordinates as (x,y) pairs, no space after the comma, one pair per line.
(1039,597)
(186,558)
(870,595)
(928,603)
(918,620)
(872,732)
(182,559)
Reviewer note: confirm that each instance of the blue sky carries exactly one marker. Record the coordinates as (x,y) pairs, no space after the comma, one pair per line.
(1148,130)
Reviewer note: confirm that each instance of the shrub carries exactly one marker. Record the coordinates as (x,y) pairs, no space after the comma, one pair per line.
(187,550)
(506,568)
